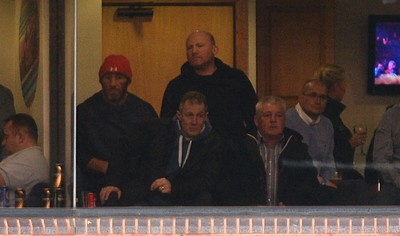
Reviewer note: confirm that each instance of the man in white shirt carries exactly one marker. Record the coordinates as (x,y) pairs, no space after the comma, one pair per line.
(25,166)
(316,129)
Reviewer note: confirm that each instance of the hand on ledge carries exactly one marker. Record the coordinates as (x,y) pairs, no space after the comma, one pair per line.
(106,191)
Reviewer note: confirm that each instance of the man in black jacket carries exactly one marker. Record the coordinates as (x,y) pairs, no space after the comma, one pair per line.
(228,91)
(103,122)
(181,158)
(278,170)
(230,95)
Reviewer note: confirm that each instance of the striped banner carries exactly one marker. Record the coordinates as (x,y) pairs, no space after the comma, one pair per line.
(29,49)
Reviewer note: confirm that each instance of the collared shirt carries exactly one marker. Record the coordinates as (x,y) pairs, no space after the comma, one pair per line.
(305,117)
(318,137)
(270,158)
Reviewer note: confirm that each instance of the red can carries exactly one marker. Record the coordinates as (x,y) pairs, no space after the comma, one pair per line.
(91,200)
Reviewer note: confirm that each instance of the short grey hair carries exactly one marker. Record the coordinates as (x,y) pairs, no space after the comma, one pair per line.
(270,100)
(193,97)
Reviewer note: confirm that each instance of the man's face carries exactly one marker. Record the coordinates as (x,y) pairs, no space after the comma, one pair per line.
(11,139)
(270,121)
(200,51)
(192,118)
(115,86)
(314,99)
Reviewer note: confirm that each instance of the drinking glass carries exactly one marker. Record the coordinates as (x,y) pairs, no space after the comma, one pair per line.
(361,128)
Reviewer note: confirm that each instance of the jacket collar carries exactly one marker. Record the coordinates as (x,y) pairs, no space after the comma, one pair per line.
(305,117)
(335,106)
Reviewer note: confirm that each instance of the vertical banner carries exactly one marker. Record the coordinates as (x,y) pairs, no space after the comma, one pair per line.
(29,48)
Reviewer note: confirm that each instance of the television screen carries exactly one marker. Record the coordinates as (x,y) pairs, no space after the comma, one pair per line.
(384,55)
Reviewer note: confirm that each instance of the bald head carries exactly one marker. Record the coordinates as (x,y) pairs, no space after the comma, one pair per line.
(200,52)
(205,34)
(313,98)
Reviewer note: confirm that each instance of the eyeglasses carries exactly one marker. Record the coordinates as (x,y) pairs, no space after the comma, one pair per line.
(315,96)
(190,115)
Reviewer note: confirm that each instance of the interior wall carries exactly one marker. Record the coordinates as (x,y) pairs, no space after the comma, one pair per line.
(351,52)
(252,41)
(8,37)
(9,69)
(89,57)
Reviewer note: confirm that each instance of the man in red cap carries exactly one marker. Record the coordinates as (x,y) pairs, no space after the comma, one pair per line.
(103,121)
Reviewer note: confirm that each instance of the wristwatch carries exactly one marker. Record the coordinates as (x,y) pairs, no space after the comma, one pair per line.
(324,181)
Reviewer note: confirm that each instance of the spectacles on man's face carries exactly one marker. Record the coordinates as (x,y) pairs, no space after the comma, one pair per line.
(315,96)
(190,115)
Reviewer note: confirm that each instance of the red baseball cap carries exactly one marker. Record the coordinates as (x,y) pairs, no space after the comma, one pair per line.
(116,64)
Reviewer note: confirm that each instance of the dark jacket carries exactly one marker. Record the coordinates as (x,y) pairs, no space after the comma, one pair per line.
(297,178)
(343,151)
(102,130)
(230,96)
(197,178)
(7,109)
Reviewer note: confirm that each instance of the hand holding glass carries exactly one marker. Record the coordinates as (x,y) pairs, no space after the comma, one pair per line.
(361,128)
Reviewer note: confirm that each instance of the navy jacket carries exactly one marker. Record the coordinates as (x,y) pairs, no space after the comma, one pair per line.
(155,146)
(297,177)
(102,131)
(343,151)
(230,96)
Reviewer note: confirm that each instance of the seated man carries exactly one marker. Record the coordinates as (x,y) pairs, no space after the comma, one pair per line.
(317,131)
(306,118)
(386,156)
(289,177)
(103,122)
(181,157)
(25,165)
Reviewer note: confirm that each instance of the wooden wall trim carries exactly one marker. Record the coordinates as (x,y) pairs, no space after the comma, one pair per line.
(262,48)
(283,58)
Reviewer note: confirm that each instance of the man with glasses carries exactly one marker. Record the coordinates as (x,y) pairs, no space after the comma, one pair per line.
(316,129)
(181,159)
